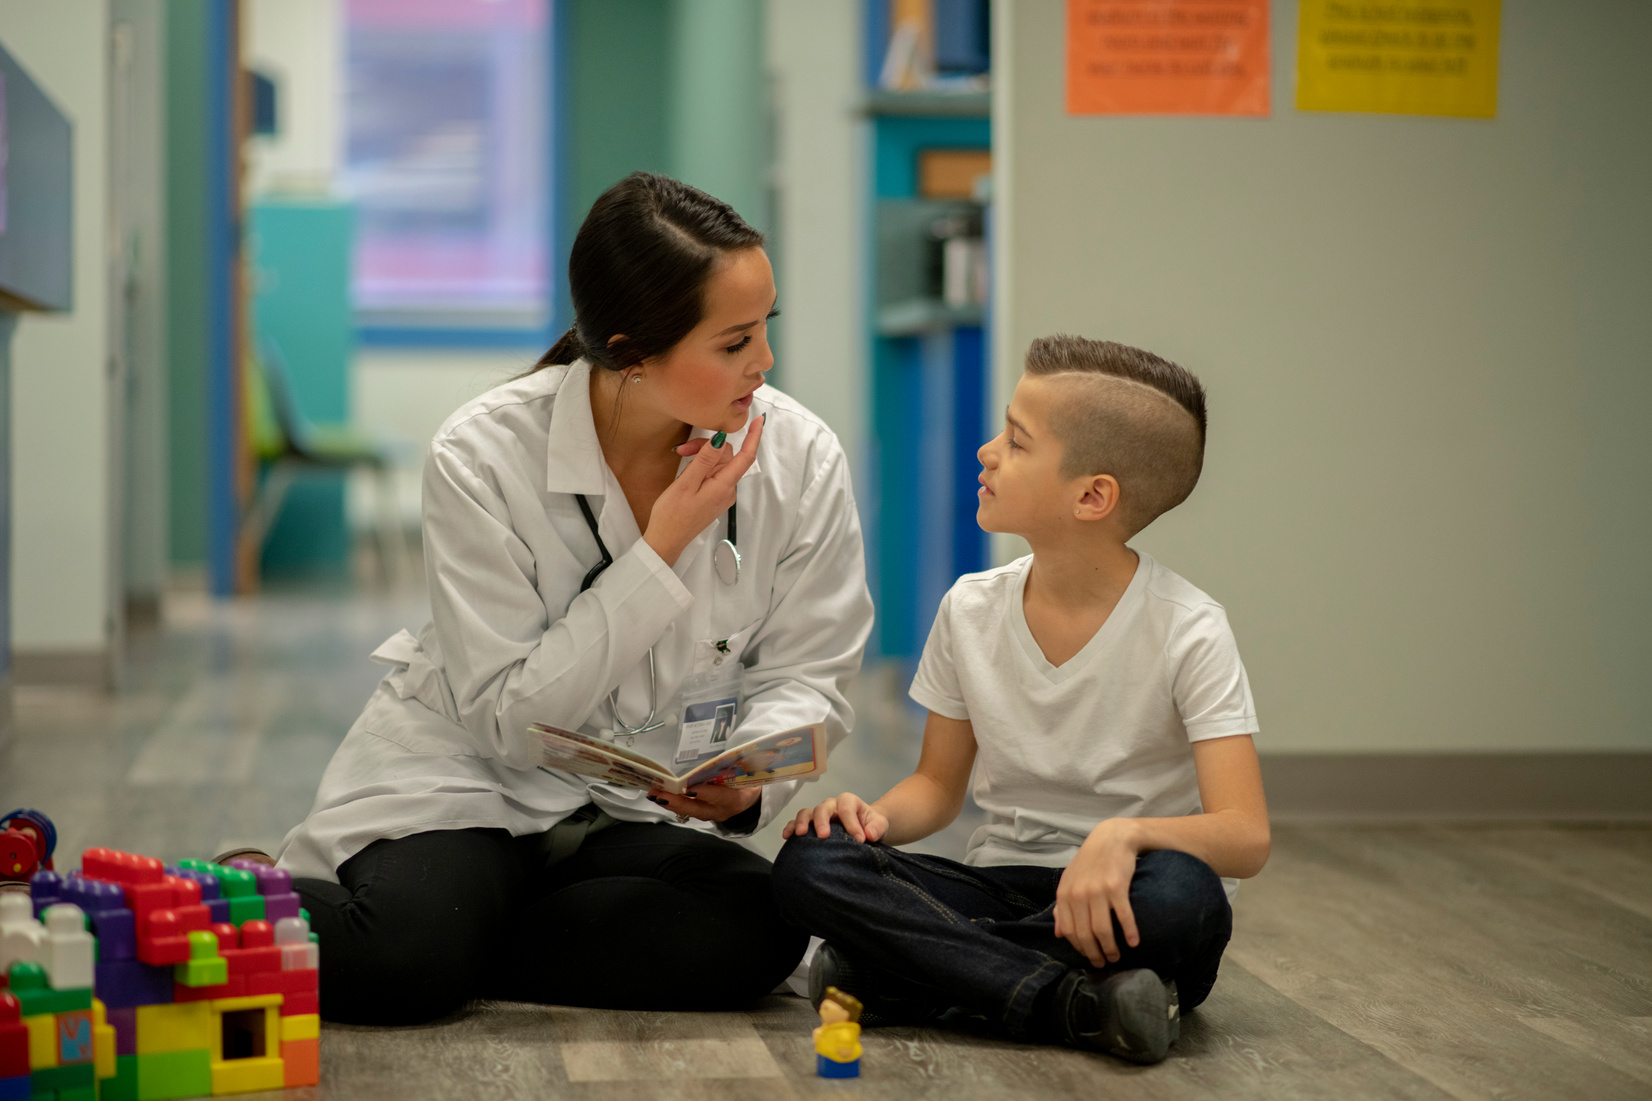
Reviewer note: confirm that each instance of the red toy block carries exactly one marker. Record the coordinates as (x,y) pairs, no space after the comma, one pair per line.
(227,935)
(296,1005)
(257,934)
(118,867)
(301,1062)
(14,1037)
(185,892)
(193,919)
(235,988)
(246,961)
(161,951)
(282,982)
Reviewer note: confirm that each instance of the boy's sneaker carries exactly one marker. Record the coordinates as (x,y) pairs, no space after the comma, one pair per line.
(1133,1014)
(881,1006)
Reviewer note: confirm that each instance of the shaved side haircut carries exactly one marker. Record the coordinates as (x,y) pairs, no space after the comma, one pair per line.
(1127,413)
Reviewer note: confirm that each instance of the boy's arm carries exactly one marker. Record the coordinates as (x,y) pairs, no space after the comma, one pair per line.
(924,802)
(1232,836)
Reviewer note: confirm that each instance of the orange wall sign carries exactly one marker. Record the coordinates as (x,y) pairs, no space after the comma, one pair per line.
(1167,57)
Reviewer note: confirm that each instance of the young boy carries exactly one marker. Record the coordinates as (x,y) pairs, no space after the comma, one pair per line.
(1102,704)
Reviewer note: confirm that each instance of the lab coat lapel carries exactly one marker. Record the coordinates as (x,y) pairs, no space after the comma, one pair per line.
(573,457)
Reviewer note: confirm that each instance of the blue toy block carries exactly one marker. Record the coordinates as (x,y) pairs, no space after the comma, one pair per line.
(45,885)
(15,1089)
(208,882)
(117,934)
(220,911)
(122,983)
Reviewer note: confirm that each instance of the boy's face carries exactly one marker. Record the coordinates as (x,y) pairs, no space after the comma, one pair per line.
(1022,491)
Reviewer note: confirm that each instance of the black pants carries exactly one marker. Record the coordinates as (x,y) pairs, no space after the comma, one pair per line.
(983,939)
(643,916)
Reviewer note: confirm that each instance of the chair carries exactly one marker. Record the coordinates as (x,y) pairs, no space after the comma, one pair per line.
(288,445)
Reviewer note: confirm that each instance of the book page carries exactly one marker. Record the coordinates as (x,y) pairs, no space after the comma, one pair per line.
(785,755)
(571,751)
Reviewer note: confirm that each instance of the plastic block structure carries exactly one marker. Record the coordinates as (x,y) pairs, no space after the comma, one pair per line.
(132,981)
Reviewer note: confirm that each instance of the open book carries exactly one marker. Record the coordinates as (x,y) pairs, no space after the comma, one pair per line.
(788,755)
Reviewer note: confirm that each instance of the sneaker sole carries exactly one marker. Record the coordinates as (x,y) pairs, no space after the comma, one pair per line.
(1145,1017)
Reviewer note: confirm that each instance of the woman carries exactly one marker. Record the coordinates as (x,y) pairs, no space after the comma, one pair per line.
(438,863)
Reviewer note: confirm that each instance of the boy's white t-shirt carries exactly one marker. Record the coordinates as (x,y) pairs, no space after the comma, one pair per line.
(1107,735)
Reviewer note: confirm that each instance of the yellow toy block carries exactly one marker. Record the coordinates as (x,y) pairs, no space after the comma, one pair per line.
(42,1040)
(300,1026)
(257,1001)
(247,1075)
(177,1026)
(103,1042)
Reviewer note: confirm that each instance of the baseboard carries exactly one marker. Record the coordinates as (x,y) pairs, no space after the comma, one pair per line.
(1462,786)
(61,668)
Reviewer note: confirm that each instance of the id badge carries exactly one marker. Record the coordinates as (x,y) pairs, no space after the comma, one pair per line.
(711,706)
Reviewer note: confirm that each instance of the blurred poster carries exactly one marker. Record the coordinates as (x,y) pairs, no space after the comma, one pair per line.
(1167,57)
(1411,58)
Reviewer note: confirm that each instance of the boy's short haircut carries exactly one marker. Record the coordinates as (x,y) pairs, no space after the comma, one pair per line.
(1133,415)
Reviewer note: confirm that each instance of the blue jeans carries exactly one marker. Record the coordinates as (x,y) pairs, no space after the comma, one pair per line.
(983,939)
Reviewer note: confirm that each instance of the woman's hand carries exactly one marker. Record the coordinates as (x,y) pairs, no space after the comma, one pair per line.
(863,821)
(1095,886)
(708,802)
(702,492)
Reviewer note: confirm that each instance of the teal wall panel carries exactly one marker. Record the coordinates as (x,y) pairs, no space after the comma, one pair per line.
(300,260)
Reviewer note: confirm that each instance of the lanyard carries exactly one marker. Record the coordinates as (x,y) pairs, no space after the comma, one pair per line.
(725,559)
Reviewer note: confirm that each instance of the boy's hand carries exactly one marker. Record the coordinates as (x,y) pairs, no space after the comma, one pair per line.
(863,821)
(1095,886)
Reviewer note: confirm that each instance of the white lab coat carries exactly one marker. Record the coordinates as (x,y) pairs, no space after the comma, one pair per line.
(444,743)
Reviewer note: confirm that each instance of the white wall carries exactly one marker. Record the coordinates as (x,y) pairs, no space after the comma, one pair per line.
(60,491)
(813,49)
(300,44)
(1427,343)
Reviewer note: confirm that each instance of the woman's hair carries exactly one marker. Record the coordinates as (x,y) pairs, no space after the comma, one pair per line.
(639,267)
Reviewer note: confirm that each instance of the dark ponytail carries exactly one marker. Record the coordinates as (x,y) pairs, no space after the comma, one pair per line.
(639,267)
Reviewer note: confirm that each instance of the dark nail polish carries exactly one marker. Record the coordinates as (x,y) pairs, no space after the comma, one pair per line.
(661,802)
(717,440)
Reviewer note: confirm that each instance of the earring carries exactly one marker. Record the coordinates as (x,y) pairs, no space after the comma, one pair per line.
(636,378)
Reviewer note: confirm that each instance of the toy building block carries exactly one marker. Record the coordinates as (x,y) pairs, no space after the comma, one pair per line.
(62,1079)
(104,1044)
(298,951)
(16,1089)
(124,1085)
(117,934)
(126,983)
(42,1040)
(45,888)
(172,1074)
(301,1060)
(162,938)
(124,1020)
(35,995)
(248,1075)
(21,936)
(74,1038)
(181,1026)
(69,948)
(205,966)
(14,1038)
(228,936)
(304,1027)
(295,1005)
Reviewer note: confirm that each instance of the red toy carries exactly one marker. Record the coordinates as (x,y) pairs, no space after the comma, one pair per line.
(27,839)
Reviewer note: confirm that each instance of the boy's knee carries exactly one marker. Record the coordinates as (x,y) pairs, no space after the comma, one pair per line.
(807,865)
(1180,894)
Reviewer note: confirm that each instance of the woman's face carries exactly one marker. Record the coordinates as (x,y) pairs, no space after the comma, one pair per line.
(708,378)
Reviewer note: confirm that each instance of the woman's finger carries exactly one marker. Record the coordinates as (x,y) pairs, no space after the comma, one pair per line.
(737,467)
(692,447)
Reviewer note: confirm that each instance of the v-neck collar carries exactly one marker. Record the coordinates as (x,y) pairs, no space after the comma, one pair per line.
(1058,674)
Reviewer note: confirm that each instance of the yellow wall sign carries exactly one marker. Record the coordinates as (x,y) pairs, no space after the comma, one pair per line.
(1406,57)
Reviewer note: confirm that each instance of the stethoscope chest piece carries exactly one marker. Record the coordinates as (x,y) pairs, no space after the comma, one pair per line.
(725,559)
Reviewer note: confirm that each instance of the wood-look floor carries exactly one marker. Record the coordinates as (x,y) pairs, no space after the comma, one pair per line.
(1427,961)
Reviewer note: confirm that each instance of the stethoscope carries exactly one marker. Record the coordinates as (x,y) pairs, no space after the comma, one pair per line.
(725,559)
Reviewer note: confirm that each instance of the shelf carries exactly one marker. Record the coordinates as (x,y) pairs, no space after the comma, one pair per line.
(929,104)
(917,316)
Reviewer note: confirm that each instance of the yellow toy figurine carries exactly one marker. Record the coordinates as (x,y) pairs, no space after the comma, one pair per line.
(837,1040)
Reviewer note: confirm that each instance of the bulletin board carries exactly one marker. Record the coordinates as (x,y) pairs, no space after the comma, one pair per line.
(1413,58)
(1167,57)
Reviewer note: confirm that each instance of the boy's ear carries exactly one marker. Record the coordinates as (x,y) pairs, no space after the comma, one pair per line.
(1100,498)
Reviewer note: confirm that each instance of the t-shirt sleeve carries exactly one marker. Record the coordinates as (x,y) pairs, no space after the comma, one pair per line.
(1209,684)
(936,684)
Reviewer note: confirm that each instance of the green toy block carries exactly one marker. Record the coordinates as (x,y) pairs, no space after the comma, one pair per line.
(305,914)
(49,1079)
(174,1074)
(213,972)
(124,1085)
(237,882)
(78,1093)
(28,982)
(246,908)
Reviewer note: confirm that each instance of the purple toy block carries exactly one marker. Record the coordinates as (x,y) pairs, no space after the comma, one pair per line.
(45,885)
(277,907)
(124,1020)
(117,934)
(122,983)
(219,908)
(273,881)
(209,883)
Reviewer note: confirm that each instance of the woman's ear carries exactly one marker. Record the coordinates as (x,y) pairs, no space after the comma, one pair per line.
(1099,500)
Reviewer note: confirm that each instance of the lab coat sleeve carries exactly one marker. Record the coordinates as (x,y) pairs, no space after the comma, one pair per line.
(812,640)
(506,662)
